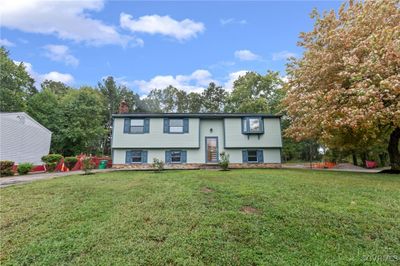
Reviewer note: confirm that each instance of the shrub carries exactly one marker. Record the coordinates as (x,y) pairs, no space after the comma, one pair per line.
(6,168)
(158,165)
(51,161)
(70,162)
(224,161)
(24,168)
(88,165)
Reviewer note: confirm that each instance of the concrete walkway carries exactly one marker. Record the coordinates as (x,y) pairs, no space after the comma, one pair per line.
(19,179)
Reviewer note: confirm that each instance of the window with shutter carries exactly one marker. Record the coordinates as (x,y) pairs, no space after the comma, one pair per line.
(136,156)
(176,125)
(253,156)
(252,125)
(136,126)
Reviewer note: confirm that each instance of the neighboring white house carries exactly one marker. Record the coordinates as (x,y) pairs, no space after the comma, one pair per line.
(22,139)
(196,140)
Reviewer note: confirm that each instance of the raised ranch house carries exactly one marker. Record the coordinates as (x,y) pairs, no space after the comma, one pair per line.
(196,140)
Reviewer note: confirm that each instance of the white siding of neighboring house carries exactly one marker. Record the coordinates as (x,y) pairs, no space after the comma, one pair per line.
(22,139)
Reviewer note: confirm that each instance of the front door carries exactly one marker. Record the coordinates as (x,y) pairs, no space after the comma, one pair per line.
(211,149)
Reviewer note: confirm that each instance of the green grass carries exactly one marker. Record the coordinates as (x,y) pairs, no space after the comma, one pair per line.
(301,217)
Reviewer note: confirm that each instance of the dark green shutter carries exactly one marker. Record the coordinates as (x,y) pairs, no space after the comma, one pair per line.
(166,125)
(128,157)
(260,156)
(183,156)
(127,125)
(146,128)
(144,156)
(245,156)
(186,125)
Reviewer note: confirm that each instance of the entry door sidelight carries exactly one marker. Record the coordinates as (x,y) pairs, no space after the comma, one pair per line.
(211,149)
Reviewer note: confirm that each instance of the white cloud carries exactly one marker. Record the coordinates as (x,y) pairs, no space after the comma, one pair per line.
(195,82)
(5,42)
(53,75)
(246,55)
(228,21)
(165,25)
(68,20)
(232,78)
(60,53)
(57,76)
(282,55)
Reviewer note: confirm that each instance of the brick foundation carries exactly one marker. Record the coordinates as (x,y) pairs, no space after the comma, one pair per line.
(147,166)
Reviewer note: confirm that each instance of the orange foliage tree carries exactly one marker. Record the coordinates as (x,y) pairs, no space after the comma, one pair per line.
(345,89)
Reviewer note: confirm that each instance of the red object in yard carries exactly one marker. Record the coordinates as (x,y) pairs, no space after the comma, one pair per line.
(371,164)
(39,168)
(61,167)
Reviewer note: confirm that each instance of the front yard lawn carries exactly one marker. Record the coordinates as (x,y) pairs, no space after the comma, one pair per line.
(240,217)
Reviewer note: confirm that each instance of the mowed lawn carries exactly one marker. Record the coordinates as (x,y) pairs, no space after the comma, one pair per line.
(240,217)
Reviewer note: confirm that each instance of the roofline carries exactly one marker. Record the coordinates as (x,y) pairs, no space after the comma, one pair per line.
(196,115)
(30,117)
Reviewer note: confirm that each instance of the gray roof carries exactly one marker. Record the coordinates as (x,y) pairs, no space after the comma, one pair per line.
(196,115)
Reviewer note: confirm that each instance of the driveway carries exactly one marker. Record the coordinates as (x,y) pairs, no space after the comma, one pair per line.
(19,179)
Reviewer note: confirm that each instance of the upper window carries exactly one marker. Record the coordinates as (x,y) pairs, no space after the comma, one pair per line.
(252,125)
(176,125)
(136,125)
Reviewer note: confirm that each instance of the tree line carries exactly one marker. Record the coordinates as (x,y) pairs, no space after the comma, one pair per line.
(81,118)
(342,95)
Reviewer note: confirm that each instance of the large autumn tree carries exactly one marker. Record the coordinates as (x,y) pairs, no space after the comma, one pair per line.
(345,89)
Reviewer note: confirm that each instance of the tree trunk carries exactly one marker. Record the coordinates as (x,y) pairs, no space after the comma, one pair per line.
(354,158)
(393,149)
(364,159)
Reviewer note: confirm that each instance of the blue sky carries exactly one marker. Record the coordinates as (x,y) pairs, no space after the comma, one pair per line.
(154,43)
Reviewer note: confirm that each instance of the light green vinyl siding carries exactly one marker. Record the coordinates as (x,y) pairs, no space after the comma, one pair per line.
(156,138)
(271,138)
(197,156)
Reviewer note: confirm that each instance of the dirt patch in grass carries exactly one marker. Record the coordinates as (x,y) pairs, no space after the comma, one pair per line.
(207,190)
(249,210)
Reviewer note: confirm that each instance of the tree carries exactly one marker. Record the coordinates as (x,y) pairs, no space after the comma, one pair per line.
(56,87)
(44,107)
(153,101)
(254,93)
(83,124)
(112,95)
(214,98)
(344,91)
(15,84)
(195,102)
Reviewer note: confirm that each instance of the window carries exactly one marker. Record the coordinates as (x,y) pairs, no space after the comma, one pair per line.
(252,125)
(176,125)
(136,156)
(136,125)
(175,156)
(253,156)
(255,124)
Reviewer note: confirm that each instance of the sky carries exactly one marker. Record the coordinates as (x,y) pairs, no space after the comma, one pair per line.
(153,44)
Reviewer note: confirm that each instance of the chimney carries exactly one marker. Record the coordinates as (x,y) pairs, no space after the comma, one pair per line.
(123,108)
